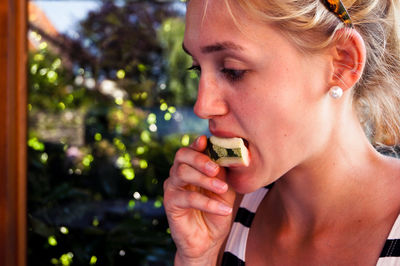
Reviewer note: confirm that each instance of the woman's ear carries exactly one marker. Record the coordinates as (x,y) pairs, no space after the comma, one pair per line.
(348,58)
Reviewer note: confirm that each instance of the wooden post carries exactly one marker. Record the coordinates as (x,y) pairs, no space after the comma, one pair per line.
(13,123)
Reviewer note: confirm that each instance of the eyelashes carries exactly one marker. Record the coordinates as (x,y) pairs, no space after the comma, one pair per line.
(232,75)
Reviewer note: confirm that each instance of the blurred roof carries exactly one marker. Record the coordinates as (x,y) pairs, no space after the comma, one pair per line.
(38,20)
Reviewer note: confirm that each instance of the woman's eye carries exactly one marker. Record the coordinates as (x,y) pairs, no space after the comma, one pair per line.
(233,74)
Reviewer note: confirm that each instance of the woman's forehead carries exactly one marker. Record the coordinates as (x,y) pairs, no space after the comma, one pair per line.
(213,21)
(208,17)
(204,10)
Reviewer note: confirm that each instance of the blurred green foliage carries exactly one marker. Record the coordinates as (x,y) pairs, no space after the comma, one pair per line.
(96,158)
(183,90)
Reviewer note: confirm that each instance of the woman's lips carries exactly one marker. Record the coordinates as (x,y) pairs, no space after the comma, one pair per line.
(223,134)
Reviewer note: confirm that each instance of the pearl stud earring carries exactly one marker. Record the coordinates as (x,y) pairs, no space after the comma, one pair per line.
(336,92)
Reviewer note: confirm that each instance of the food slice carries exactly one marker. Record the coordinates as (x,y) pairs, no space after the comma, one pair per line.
(228,151)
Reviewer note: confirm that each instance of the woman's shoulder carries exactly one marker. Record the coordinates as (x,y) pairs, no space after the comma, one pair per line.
(390,168)
(391,181)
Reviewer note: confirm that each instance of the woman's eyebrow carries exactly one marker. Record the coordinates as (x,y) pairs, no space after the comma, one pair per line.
(217,47)
(220,46)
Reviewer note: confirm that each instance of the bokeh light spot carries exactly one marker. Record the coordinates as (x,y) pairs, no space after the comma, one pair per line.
(145,136)
(136,195)
(131,204)
(95,221)
(128,173)
(34,69)
(151,118)
(44,157)
(93,260)
(35,144)
(143,164)
(142,68)
(52,241)
(121,74)
(64,230)
(167,116)
(119,101)
(98,137)
(144,199)
(157,204)
(61,105)
(153,128)
(87,160)
(52,76)
(172,109)
(43,46)
(185,140)
(163,107)
(66,259)
(140,150)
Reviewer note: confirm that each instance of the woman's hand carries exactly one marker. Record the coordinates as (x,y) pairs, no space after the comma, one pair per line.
(198,204)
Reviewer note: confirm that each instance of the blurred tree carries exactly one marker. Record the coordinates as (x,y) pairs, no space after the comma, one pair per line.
(98,201)
(51,85)
(123,42)
(182,87)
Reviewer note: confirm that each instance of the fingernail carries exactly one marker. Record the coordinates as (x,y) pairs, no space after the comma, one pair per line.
(197,141)
(211,167)
(224,208)
(219,184)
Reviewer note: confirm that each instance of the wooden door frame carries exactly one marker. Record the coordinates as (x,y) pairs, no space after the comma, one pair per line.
(13,128)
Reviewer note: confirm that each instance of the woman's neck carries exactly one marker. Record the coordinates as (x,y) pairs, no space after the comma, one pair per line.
(347,181)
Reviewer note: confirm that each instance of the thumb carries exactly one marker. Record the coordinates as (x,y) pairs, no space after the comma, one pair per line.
(199,144)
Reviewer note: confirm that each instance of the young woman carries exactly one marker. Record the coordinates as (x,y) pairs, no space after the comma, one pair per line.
(313,90)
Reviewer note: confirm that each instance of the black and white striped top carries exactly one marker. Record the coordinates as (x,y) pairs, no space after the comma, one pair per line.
(235,249)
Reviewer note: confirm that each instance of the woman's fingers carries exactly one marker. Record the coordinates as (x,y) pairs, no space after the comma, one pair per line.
(197,160)
(193,180)
(199,144)
(199,201)
(184,175)
(192,167)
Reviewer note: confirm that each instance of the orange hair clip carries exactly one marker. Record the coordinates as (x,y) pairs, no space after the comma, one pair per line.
(337,7)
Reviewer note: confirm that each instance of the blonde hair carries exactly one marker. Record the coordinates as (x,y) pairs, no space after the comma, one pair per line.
(312,27)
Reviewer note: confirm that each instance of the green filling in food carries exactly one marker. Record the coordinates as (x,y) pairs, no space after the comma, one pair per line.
(237,152)
(223,152)
(216,152)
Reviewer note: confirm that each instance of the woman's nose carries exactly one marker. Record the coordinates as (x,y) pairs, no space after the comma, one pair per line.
(210,99)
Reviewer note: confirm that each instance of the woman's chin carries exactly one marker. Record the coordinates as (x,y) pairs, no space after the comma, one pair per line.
(241,181)
(246,179)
